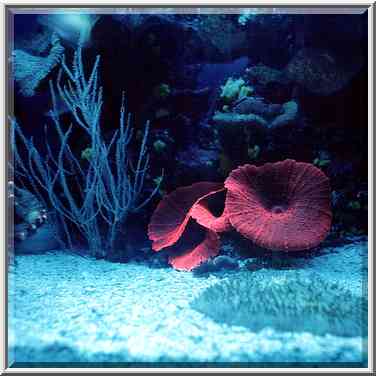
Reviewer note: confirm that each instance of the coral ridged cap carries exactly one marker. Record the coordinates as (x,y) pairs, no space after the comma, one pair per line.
(202,214)
(171,216)
(192,258)
(280,206)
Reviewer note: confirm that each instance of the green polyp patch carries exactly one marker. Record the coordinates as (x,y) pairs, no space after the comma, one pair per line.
(235,89)
(87,154)
(162,91)
(293,304)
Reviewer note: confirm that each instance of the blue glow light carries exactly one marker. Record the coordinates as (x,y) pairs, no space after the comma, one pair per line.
(71,26)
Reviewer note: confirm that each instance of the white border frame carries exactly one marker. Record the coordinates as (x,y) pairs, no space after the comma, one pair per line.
(245,4)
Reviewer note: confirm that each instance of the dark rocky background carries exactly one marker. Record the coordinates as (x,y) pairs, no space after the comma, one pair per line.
(173,69)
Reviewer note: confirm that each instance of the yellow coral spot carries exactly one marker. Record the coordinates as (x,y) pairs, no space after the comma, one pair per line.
(87,154)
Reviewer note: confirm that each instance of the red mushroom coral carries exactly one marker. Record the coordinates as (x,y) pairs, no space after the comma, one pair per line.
(171,217)
(190,259)
(280,206)
(173,213)
(202,214)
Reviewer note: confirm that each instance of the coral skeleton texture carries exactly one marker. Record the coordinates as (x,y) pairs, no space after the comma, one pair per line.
(30,70)
(280,206)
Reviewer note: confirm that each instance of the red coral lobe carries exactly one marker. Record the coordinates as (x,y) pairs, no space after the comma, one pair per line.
(194,257)
(280,206)
(172,214)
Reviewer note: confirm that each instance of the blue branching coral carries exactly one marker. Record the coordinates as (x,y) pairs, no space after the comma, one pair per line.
(96,198)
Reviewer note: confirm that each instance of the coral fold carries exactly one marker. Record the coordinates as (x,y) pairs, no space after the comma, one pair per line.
(202,214)
(172,214)
(192,258)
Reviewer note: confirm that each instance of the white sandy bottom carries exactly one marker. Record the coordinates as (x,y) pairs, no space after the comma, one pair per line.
(64,308)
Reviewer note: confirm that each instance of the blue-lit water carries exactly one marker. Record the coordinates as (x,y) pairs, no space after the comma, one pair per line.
(120,120)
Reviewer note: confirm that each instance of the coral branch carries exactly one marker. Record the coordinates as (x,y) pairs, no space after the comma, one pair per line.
(94,200)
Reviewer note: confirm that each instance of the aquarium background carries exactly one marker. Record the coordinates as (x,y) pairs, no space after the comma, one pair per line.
(114,113)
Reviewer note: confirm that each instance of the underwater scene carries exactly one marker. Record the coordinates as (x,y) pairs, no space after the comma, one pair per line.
(187,188)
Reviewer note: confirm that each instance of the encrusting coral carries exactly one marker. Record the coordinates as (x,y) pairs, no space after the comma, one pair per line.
(322,72)
(256,114)
(288,115)
(257,105)
(30,70)
(294,304)
(30,212)
(233,119)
